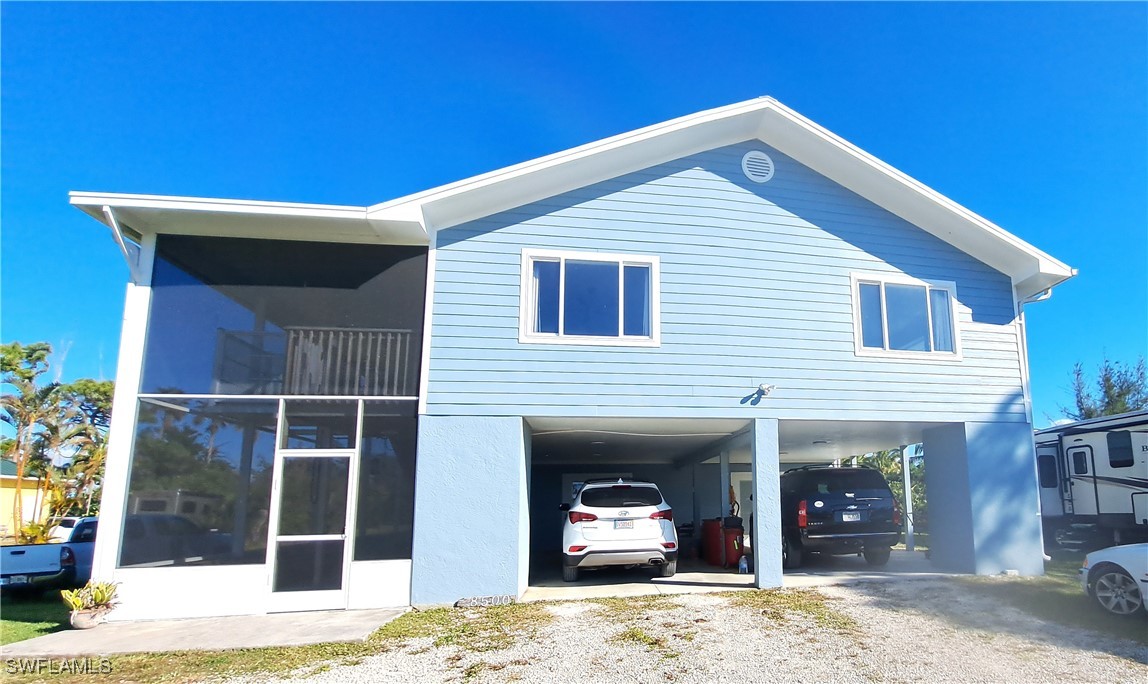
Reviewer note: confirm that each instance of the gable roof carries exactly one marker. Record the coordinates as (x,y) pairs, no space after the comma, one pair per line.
(411,219)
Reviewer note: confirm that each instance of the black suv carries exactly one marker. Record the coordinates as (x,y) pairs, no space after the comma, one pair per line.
(840,511)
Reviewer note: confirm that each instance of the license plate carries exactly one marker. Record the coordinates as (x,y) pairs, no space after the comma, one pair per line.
(15,579)
(850,517)
(623,524)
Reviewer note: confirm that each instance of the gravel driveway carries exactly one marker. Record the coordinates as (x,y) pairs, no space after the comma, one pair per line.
(910,631)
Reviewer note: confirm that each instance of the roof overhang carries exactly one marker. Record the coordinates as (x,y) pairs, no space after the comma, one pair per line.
(142,214)
(765,119)
(411,219)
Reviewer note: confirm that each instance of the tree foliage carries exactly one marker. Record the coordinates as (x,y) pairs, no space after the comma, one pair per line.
(60,433)
(889,463)
(1119,388)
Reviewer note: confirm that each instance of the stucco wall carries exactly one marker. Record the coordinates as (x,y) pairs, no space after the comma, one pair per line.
(471,526)
(984,513)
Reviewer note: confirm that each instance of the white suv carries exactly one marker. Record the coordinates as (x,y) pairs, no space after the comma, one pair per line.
(618,522)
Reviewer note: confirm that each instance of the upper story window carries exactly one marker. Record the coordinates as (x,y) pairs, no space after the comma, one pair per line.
(589,298)
(900,316)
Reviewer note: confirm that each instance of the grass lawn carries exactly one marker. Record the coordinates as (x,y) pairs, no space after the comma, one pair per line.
(1057,597)
(24,618)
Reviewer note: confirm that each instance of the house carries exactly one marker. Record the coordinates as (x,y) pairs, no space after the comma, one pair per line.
(384,405)
(33,506)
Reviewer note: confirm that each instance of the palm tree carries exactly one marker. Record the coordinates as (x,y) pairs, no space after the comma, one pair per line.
(27,409)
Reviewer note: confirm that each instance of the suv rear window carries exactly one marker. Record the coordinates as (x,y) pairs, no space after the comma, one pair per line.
(621,495)
(837,481)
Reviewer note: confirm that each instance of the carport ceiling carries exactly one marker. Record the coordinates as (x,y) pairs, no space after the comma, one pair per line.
(624,440)
(820,441)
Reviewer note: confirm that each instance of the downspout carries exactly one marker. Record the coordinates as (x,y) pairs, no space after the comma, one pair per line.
(1026,389)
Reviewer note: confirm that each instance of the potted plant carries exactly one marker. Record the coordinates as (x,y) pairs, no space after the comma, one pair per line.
(90,604)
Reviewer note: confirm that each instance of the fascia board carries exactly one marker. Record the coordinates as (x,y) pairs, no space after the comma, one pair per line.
(570,169)
(243,218)
(860,172)
(215,205)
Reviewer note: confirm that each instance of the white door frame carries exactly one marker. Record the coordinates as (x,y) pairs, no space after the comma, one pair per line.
(333,599)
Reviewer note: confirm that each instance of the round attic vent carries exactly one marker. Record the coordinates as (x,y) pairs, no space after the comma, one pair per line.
(757,166)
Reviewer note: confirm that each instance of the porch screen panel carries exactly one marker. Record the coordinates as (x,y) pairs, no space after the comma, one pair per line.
(385,515)
(200,487)
(241,317)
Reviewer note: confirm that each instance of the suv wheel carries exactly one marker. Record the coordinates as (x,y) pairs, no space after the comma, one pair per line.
(569,573)
(877,556)
(790,553)
(668,569)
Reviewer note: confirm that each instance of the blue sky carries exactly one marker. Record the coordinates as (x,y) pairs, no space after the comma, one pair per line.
(1033,115)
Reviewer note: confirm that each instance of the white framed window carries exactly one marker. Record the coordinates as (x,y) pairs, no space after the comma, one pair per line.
(900,316)
(589,298)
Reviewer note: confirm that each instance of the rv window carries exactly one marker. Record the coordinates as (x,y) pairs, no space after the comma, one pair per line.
(1120,449)
(1080,462)
(1046,467)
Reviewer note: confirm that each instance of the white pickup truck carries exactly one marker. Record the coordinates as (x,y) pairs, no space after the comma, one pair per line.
(64,562)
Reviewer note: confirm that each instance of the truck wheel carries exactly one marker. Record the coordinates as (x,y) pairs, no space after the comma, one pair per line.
(877,556)
(569,573)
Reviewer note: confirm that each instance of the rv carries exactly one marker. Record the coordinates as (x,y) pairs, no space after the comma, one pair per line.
(1094,481)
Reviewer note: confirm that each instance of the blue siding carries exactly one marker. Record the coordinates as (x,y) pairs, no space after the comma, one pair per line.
(754,289)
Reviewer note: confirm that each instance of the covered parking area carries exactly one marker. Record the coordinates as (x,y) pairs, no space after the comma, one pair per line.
(512,474)
(702,465)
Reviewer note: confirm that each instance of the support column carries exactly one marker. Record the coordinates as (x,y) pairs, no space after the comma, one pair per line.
(723,480)
(766,504)
(121,433)
(984,512)
(908,484)
(472,521)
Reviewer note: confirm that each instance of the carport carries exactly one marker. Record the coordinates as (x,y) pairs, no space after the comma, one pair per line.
(684,457)
(691,460)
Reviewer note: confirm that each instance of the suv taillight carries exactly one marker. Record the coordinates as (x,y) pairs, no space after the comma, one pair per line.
(803,514)
(667,514)
(579,516)
(897,513)
(67,557)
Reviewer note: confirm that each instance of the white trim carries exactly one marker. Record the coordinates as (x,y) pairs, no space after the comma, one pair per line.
(428,321)
(763,119)
(276,397)
(856,278)
(121,432)
(526,290)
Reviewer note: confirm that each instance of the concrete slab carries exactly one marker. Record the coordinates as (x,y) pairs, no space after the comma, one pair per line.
(696,578)
(208,634)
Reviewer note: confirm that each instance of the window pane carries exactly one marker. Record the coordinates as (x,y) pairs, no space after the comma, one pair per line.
(314,495)
(546,296)
(871,333)
(386,482)
(1120,454)
(620,495)
(309,565)
(908,317)
(942,320)
(1046,467)
(200,487)
(320,424)
(239,316)
(636,318)
(591,303)
(1079,461)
